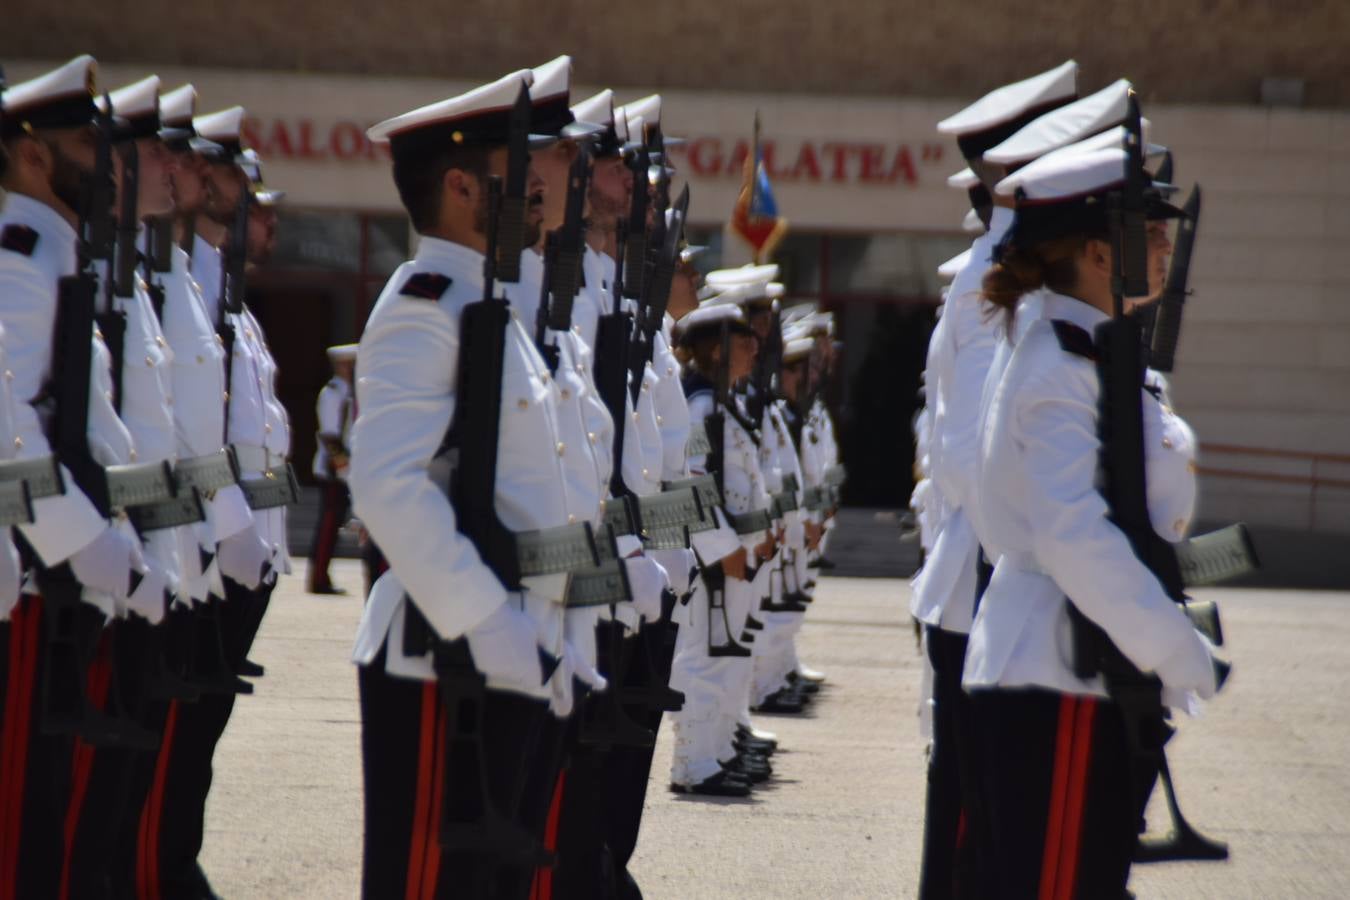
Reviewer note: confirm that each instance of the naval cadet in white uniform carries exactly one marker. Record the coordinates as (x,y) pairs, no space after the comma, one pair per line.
(49,147)
(960,351)
(408,366)
(1049,526)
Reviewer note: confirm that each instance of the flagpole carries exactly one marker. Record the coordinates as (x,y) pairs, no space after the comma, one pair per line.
(754,177)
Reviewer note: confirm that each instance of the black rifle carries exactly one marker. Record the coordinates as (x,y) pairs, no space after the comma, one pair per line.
(564,250)
(1120,367)
(158,259)
(72,629)
(764,379)
(477,823)
(656,285)
(634,245)
(1167,315)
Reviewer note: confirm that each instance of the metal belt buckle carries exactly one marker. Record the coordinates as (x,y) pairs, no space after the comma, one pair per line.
(207,473)
(272,489)
(42,475)
(550,551)
(16,505)
(621,517)
(598,586)
(668,517)
(184,509)
(705,487)
(139,485)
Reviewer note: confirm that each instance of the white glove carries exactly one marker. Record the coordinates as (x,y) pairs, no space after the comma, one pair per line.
(105,564)
(561,695)
(147,600)
(506,651)
(648,580)
(243,556)
(1191,667)
(579,646)
(11,576)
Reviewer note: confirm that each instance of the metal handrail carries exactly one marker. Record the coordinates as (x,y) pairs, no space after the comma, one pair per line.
(1314,481)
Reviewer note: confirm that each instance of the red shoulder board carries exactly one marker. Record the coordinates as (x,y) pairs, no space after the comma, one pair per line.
(19,238)
(426,286)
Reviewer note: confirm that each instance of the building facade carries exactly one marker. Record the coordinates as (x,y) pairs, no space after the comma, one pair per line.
(1264,366)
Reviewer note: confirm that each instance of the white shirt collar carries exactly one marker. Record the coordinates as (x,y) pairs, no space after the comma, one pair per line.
(1073,310)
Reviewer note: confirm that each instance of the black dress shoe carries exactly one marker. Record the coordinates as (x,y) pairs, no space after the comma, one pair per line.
(748,736)
(722,784)
(750,761)
(746,771)
(249,669)
(761,748)
(328,589)
(801,684)
(779,702)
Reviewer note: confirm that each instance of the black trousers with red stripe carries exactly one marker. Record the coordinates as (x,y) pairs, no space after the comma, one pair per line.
(334,503)
(950,864)
(106,786)
(34,767)
(1057,793)
(408,778)
(163,837)
(606,789)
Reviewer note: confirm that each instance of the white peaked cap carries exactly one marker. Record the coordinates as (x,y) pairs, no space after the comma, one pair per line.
(598,109)
(742,275)
(480,116)
(648,108)
(797,348)
(794,314)
(1066,125)
(710,313)
(1039,178)
(178,106)
(222,127)
(1067,174)
(550,94)
(552,78)
(1012,100)
(137,100)
(61,98)
(952,267)
(965,179)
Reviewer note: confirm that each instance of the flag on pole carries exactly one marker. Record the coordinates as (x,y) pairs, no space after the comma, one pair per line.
(755,217)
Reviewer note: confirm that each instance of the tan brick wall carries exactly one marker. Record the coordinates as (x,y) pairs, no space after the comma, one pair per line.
(1210,51)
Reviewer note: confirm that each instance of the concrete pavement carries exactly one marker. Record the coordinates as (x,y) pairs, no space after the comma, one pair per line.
(1267,769)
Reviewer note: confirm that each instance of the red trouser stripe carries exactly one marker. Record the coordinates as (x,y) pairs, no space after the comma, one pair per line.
(82,763)
(1059,788)
(542,888)
(147,843)
(23,639)
(424,854)
(1073,818)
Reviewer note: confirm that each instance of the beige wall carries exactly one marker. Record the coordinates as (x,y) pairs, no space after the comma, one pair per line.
(1205,51)
(1265,354)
